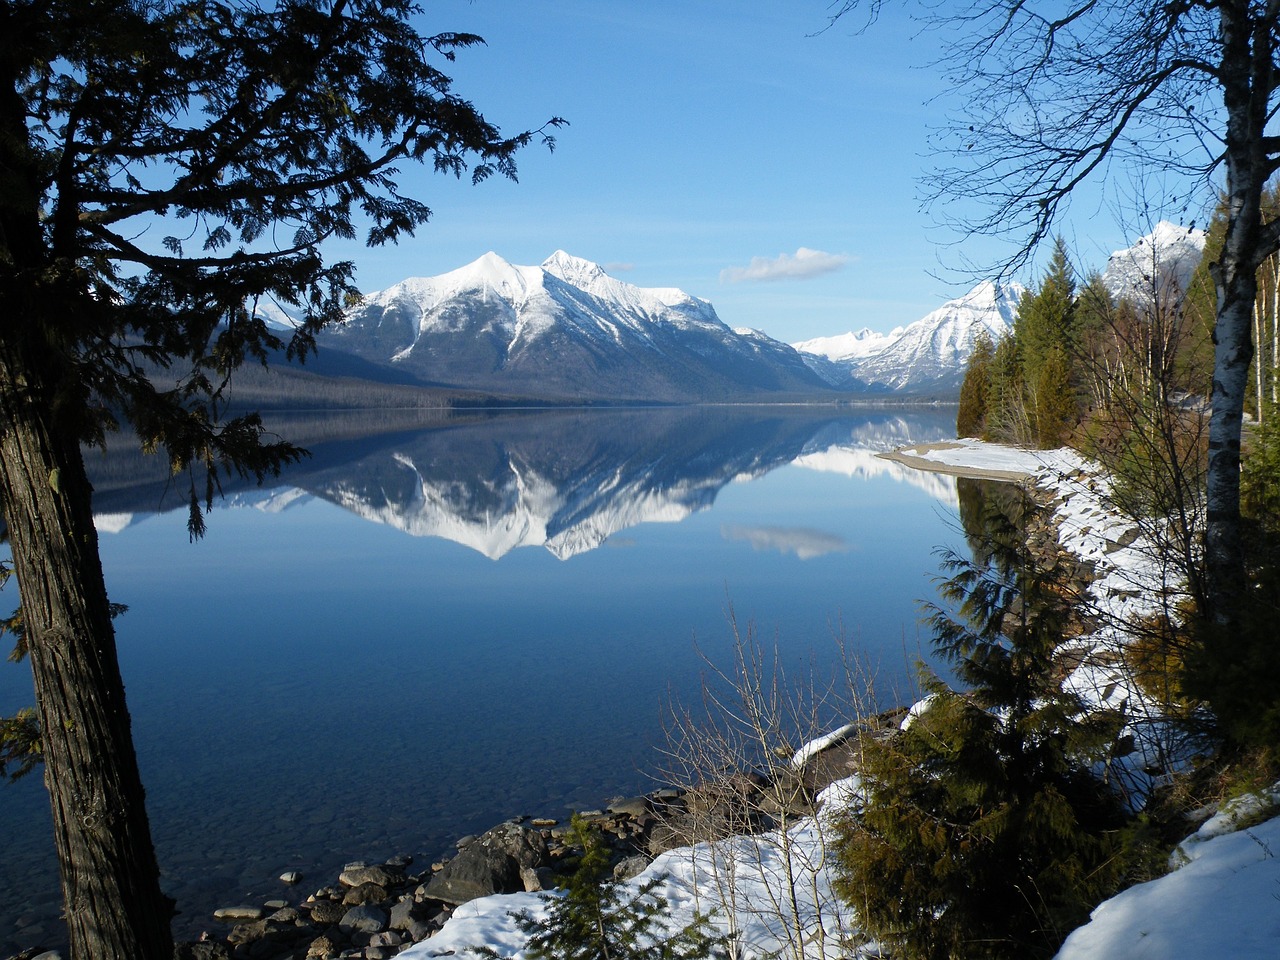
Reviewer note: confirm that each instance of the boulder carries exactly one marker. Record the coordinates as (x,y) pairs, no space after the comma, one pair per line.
(365,893)
(493,863)
(383,876)
(634,807)
(630,867)
(403,914)
(325,912)
(365,918)
(238,914)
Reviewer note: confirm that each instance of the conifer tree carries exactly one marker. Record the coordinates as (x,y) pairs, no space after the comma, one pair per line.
(983,831)
(165,167)
(1045,332)
(600,918)
(1006,414)
(971,418)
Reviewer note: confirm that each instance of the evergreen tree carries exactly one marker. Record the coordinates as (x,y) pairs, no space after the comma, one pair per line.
(599,918)
(1055,401)
(1045,332)
(1006,413)
(971,418)
(983,831)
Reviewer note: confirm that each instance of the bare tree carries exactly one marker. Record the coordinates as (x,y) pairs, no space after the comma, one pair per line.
(1056,95)
(748,759)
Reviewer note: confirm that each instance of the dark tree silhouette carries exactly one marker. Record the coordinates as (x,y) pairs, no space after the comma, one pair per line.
(164,166)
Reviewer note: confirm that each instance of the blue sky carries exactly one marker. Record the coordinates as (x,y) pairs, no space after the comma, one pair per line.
(733,150)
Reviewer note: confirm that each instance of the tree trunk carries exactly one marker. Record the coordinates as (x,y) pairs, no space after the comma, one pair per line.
(1246,83)
(110,878)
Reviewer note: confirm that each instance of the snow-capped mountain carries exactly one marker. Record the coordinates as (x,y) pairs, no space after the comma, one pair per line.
(929,356)
(925,356)
(1159,264)
(849,346)
(565,329)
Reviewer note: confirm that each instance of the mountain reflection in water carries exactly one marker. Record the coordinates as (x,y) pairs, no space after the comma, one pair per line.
(568,480)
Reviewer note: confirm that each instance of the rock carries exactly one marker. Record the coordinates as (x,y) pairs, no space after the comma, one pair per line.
(491,864)
(403,914)
(401,860)
(630,867)
(285,914)
(236,914)
(542,822)
(325,912)
(634,807)
(365,918)
(529,877)
(388,938)
(291,877)
(247,932)
(324,946)
(383,876)
(365,893)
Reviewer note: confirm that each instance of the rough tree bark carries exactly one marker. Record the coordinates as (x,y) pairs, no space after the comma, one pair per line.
(110,878)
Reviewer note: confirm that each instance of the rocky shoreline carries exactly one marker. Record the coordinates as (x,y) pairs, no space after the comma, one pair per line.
(373,911)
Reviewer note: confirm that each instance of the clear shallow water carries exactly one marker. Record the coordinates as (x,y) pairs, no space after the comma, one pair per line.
(420,633)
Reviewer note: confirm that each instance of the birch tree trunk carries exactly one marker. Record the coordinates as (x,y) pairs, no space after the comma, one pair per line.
(1247,77)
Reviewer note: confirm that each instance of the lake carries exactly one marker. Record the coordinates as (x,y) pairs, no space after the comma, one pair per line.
(430,627)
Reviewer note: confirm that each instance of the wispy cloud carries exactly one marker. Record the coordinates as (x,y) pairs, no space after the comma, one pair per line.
(802,541)
(613,267)
(804,264)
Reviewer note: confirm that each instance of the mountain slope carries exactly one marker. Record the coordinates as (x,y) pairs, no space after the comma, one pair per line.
(925,356)
(1158,264)
(929,356)
(566,329)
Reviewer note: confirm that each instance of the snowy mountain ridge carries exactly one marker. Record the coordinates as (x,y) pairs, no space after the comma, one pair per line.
(565,329)
(931,353)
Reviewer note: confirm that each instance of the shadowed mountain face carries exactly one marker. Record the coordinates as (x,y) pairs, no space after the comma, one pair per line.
(566,480)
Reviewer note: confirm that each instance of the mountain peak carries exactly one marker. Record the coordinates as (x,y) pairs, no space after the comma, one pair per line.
(571,269)
(1168,254)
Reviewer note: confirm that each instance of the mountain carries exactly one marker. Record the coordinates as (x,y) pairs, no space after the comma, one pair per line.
(565,330)
(1160,262)
(927,356)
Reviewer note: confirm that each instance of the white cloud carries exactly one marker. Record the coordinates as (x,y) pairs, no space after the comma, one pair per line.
(804,264)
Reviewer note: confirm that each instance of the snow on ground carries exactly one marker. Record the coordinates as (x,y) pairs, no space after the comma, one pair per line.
(772,892)
(1221,898)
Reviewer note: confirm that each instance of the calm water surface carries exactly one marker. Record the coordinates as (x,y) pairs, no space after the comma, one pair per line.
(420,633)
